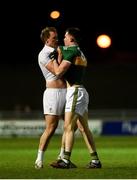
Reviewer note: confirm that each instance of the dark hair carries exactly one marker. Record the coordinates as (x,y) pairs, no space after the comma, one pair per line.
(45,33)
(75,33)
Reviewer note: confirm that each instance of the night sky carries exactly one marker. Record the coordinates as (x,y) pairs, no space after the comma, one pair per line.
(112,73)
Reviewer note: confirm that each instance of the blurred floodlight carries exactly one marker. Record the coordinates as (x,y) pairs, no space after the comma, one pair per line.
(103,41)
(55,14)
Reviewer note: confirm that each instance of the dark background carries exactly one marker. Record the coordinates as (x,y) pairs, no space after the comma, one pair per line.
(111,74)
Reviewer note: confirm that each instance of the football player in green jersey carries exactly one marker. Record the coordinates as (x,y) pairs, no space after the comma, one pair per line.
(72,68)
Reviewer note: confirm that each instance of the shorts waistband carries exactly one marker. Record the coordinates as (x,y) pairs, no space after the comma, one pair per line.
(76,86)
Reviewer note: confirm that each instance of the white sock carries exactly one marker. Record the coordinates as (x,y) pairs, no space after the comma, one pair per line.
(40,155)
(61,153)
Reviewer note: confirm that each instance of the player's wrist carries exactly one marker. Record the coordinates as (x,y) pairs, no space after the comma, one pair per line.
(54,61)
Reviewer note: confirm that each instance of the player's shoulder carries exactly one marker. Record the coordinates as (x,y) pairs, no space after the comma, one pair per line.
(47,49)
(63,47)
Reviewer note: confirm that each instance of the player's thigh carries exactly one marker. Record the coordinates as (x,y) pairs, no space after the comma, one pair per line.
(51,120)
(79,125)
(84,121)
(70,119)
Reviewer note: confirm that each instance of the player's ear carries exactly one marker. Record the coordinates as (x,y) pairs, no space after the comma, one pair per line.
(72,40)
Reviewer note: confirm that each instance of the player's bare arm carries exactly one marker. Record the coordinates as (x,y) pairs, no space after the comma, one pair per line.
(59,59)
(62,68)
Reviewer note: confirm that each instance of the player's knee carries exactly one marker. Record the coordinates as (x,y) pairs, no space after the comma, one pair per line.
(51,128)
(81,129)
(69,128)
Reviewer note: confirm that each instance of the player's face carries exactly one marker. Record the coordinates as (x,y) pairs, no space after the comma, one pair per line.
(53,40)
(67,39)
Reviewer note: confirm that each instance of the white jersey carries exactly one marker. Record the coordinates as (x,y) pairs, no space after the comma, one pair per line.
(43,60)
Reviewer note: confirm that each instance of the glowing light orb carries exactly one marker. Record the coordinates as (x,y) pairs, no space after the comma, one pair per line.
(103,41)
(55,14)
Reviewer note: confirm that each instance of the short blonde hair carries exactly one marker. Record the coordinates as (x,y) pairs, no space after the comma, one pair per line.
(45,33)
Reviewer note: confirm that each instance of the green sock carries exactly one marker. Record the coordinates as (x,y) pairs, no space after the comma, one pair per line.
(94,156)
(67,155)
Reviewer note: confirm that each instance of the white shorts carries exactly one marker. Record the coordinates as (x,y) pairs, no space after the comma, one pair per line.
(54,100)
(77,100)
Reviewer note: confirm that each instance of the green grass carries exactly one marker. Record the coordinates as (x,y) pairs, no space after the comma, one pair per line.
(118,156)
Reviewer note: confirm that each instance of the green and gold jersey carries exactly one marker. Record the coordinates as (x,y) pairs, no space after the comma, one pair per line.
(75,56)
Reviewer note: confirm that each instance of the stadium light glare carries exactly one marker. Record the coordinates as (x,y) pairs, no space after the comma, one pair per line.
(55,14)
(103,41)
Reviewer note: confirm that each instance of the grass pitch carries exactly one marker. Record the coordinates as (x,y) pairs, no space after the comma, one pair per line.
(118,156)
